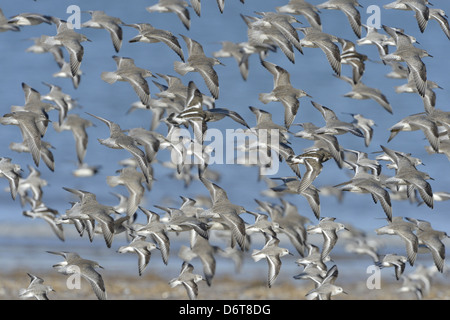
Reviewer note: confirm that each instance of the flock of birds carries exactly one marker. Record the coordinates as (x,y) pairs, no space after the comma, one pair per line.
(179,106)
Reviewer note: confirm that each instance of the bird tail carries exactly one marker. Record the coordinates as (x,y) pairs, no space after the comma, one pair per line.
(22,292)
(265,98)
(109,77)
(180,67)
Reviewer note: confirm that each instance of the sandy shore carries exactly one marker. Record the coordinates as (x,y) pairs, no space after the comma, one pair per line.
(151,287)
(123,283)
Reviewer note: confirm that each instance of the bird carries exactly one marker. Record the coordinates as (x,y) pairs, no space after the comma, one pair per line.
(73,264)
(360,91)
(349,8)
(234,254)
(393,260)
(356,60)
(365,125)
(264,37)
(411,55)
(45,152)
(201,248)
(407,174)
(177,92)
(5,25)
(31,126)
(143,250)
(178,221)
(119,140)
(49,215)
(34,104)
(313,273)
(313,161)
(228,212)
(12,172)
(235,50)
(89,210)
(315,38)
(150,140)
(283,91)
(188,279)
(423,275)
(362,161)
(32,182)
(195,116)
(197,61)
(39,46)
(155,229)
(65,72)
(363,182)
(412,285)
(272,253)
(405,230)
(326,289)
(283,23)
(301,7)
(179,7)
(292,184)
(29,19)
(440,16)
(429,98)
(132,180)
(432,239)
(415,122)
(287,220)
(333,125)
(364,246)
(100,20)
(421,11)
(328,228)
(262,225)
(135,76)
(36,289)
(328,142)
(399,71)
(292,223)
(59,98)
(314,258)
(150,34)
(393,155)
(196,5)
(265,124)
(70,40)
(373,37)
(77,125)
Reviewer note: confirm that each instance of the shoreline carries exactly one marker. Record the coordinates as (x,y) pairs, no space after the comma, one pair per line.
(224,287)
(123,283)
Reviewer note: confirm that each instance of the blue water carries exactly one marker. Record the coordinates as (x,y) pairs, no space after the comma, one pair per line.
(311,72)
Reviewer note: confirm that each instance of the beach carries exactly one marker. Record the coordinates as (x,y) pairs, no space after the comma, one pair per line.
(28,254)
(151,287)
(25,240)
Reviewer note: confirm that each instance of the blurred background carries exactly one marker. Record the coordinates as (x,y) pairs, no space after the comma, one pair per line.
(24,241)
